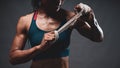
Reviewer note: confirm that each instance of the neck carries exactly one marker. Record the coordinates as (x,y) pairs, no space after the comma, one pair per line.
(47,13)
(42,12)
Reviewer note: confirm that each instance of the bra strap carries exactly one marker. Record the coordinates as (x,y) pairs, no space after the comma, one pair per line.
(35,15)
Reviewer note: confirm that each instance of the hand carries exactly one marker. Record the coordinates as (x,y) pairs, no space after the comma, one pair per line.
(87,13)
(82,7)
(47,39)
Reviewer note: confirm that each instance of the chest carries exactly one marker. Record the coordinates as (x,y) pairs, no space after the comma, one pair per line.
(47,24)
(36,34)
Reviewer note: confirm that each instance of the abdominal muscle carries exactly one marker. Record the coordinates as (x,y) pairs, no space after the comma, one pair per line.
(51,63)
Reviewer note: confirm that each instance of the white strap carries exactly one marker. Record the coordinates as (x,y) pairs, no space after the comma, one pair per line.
(67,25)
(56,37)
(70,22)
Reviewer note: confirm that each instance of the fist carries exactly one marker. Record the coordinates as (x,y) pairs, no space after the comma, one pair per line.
(48,37)
(82,7)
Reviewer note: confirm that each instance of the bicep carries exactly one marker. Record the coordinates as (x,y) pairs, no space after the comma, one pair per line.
(18,42)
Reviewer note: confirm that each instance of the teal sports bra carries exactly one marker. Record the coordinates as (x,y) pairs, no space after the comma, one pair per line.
(59,49)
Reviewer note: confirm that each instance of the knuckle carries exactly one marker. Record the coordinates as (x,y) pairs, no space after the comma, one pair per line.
(45,38)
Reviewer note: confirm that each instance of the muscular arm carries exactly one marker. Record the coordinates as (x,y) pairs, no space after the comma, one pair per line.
(88,26)
(17,54)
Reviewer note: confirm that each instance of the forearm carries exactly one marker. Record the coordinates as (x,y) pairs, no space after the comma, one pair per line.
(21,56)
(95,33)
(93,30)
(88,26)
(97,30)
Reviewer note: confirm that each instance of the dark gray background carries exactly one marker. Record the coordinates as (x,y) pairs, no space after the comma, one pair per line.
(84,53)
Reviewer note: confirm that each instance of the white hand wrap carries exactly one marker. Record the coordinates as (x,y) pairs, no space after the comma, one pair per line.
(56,35)
(84,7)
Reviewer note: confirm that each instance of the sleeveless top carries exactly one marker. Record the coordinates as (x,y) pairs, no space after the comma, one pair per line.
(58,49)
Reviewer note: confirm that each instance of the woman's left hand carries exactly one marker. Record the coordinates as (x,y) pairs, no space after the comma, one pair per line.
(87,13)
(82,7)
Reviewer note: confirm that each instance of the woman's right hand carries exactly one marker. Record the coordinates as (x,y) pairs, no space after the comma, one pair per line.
(47,39)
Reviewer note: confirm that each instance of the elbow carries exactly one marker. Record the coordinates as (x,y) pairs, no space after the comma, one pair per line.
(97,39)
(13,59)
(101,39)
(16,58)
(12,62)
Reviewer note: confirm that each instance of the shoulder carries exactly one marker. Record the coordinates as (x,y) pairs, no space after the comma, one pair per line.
(24,22)
(26,18)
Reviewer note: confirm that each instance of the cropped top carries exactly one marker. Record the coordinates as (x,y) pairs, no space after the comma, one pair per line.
(58,49)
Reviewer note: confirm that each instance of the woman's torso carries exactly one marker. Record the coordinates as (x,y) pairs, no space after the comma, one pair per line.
(59,62)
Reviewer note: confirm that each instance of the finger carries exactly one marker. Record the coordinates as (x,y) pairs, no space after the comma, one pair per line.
(52,32)
(49,38)
(51,35)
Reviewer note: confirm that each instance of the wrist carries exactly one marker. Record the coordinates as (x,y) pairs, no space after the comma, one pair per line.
(38,48)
